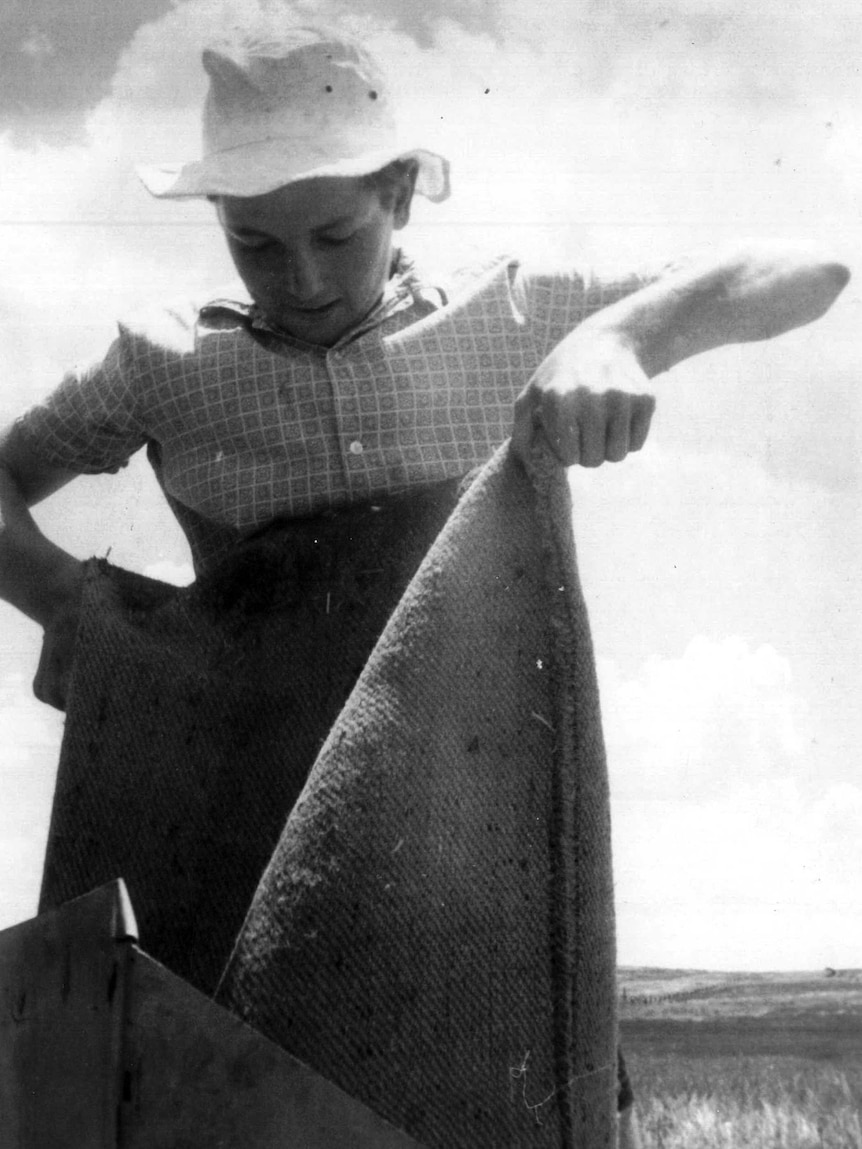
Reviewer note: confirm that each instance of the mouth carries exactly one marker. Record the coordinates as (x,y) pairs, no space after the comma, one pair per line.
(311,312)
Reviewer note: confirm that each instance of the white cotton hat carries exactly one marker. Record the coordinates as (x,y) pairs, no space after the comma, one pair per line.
(308,104)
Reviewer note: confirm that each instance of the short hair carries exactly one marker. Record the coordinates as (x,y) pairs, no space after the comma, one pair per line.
(387,181)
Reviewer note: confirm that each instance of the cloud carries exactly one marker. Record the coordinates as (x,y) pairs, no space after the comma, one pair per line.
(632,133)
(715,96)
(719,716)
(677,543)
(766,877)
(57,61)
(695,83)
(728,848)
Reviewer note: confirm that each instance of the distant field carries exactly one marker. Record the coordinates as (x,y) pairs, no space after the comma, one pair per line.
(745,1061)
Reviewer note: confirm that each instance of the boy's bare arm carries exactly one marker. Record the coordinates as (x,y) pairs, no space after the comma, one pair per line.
(591,396)
(37,576)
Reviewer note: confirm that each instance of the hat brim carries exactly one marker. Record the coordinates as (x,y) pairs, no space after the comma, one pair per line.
(254,170)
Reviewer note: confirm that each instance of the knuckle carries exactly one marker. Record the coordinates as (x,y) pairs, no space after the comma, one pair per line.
(616,401)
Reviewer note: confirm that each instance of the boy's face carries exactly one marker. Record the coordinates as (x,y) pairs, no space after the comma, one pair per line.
(315,255)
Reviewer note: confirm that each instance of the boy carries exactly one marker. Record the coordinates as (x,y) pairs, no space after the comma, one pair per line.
(341,376)
(360,379)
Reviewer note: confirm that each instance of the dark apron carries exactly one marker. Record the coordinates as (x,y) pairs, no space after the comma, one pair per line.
(427,917)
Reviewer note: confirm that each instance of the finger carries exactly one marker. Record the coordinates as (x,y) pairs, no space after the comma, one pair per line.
(642,413)
(524,427)
(564,444)
(561,425)
(593,428)
(619,414)
(564,437)
(567,446)
(52,674)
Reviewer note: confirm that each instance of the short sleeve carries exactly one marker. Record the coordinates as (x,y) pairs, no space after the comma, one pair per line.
(557,299)
(90,424)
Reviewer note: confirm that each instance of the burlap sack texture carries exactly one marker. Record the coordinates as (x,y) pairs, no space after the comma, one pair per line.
(195,715)
(434,932)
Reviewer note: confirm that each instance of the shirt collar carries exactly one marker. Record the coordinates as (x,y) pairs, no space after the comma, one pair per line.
(406,287)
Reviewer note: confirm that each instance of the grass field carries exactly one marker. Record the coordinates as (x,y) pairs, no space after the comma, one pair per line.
(738,1061)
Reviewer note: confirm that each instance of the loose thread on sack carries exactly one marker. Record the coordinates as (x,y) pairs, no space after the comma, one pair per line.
(519,1072)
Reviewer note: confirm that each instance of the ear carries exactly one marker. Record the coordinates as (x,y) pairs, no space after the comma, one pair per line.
(404,195)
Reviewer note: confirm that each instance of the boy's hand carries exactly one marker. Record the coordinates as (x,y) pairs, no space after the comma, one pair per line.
(590,400)
(51,684)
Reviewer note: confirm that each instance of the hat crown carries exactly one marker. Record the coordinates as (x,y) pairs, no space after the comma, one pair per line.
(312,91)
(293,104)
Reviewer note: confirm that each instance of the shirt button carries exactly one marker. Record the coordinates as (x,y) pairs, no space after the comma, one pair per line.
(356,448)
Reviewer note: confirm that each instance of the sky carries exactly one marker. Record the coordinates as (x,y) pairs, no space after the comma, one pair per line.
(720,564)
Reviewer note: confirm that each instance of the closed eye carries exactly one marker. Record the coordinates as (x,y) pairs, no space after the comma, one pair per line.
(335,240)
(255,242)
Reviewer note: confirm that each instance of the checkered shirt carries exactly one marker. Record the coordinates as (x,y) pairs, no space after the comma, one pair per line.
(249,424)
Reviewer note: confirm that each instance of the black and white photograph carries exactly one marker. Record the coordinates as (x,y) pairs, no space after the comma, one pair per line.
(430,535)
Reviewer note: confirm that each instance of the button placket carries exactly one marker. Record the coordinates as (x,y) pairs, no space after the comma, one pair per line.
(346,404)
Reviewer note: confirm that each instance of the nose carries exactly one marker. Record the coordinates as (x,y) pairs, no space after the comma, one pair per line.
(303,276)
